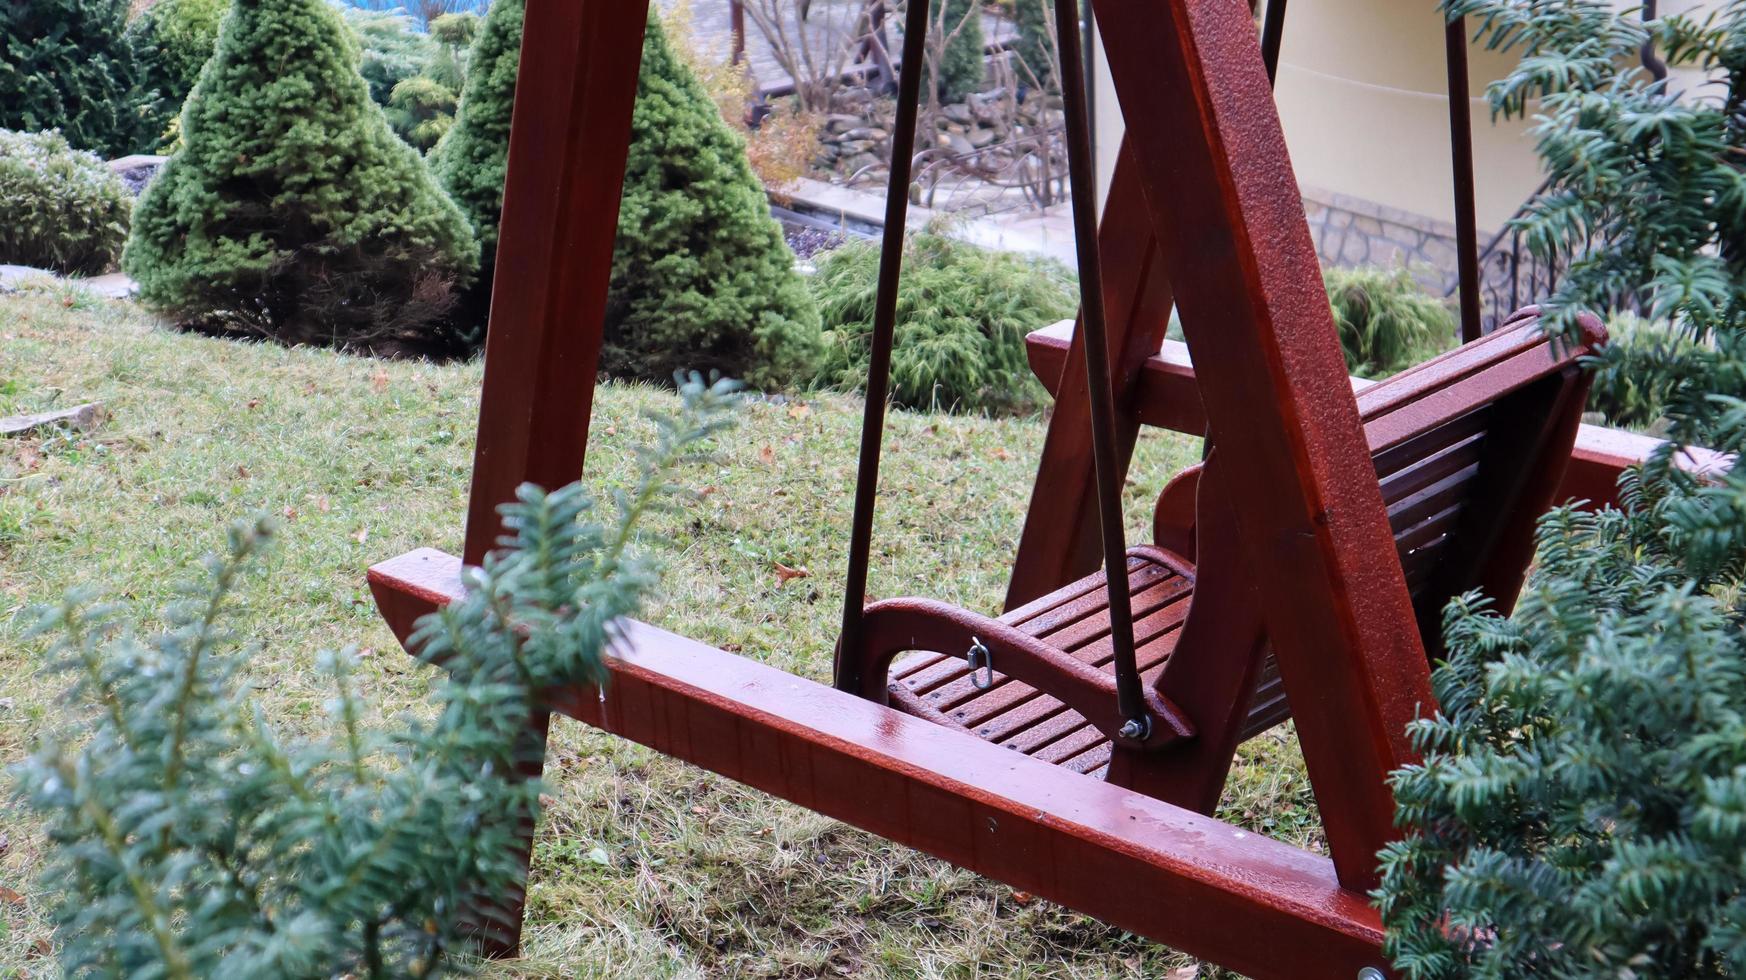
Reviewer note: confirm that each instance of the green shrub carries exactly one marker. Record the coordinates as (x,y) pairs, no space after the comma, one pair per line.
(1581,808)
(297,218)
(189,839)
(962,316)
(472,159)
(701,277)
(1035,41)
(454,35)
(393,47)
(60,208)
(1641,371)
(1387,322)
(67,65)
(421,110)
(173,40)
(960,61)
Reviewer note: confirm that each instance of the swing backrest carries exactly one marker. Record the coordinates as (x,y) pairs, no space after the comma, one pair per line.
(1469,450)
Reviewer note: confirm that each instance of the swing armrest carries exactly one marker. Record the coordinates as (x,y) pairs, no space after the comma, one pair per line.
(894,626)
(1173,519)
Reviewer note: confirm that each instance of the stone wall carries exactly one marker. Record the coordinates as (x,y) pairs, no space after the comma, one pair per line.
(1350,231)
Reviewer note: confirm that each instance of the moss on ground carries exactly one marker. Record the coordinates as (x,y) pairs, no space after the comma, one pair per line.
(644,866)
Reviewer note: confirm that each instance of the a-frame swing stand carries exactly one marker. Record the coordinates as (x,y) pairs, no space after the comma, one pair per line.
(1219,217)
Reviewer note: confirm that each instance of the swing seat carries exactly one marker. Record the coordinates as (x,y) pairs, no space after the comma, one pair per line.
(1469,449)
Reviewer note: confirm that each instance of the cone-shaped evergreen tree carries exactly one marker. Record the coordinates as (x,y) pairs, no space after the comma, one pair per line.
(472,157)
(701,277)
(292,211)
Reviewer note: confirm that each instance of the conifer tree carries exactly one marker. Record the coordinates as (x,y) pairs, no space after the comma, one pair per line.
(961,68)
(1580,811)
(292,211)
(190,839)
(472,157)
(701,277)
(68,65)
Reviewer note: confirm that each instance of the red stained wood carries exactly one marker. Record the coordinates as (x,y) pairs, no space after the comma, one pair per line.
(1252,904)
(1167,396)
(1229,218)
(1062,520)
(567,149)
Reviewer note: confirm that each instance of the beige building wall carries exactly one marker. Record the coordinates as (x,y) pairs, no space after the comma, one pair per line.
(1362,95)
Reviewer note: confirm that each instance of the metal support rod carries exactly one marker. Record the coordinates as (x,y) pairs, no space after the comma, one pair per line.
(915,28)
(1082,175)
(1272,35)
(1461,162)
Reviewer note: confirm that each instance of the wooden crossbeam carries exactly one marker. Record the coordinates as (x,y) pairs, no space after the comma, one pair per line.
(1191,882)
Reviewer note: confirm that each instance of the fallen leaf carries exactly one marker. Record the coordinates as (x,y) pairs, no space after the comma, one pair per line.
(254,403)
(611,430)
(41,950)
(11,897)
(309,387)
(698,811)
(1022,898)
(362,535)
(321,504)
(242,471)
(379,380)
(767,456)
(1002,454)
(290,513)
(732,647)
(1183,973)
(599,856)
(799,410)
(785,574)
(366,653)
(706,491)
(6,704)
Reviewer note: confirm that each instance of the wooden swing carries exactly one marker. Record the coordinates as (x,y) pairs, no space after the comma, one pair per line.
(1293,570)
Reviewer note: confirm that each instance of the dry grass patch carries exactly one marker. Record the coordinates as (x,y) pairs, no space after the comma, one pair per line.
(644,866)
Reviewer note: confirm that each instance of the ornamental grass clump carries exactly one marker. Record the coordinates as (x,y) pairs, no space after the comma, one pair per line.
(1387,322)
(189,838)
(962,316)
(60,208)
(292,212)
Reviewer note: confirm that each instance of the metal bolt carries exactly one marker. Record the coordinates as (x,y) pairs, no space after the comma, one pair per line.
(1371,973)
(1135,729)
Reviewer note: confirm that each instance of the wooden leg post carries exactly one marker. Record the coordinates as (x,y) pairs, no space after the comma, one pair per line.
(1060,538)
(567,150)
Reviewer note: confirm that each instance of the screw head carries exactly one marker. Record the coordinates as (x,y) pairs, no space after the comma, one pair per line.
(1371,973)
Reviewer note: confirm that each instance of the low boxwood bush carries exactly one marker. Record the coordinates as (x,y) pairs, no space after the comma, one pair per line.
(60,208)
(962,316)
(1387,321)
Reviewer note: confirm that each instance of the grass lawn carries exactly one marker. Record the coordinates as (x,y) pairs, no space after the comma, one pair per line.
(643,866)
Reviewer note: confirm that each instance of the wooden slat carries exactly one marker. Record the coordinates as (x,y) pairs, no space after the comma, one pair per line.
(1168,397)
